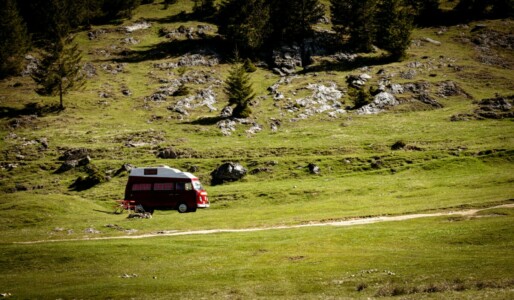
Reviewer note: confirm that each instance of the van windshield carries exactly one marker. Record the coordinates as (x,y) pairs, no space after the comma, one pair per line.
(197,185)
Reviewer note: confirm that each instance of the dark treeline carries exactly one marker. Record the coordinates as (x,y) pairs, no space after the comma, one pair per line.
(50,19)
(251,26)
(45,23)
(255,25)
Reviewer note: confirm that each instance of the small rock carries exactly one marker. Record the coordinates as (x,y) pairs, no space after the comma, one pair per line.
(314,169)
(44,143)
(432,41)
(478,27)
(138,26)
(126,92)
(226,111)
(84,161)
(66,166)
(20,187)
(74,154)
(124,168)
(91,231)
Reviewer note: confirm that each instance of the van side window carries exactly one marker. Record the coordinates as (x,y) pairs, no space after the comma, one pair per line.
(180,186)
(168,186)
(141,186)
(189,186)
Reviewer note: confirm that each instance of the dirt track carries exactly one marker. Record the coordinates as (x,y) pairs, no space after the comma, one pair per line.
(352,222)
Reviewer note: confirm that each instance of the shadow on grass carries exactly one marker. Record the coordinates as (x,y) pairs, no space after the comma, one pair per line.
(214,44)
(208,120)
(29,109)
(359,62)
(105,211)
(178,18)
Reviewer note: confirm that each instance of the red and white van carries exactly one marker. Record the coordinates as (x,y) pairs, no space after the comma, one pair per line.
(165,188)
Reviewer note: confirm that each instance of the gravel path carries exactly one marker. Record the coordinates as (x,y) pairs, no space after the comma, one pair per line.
(352,222)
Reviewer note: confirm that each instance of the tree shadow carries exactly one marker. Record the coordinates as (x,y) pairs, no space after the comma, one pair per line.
(180,17)
(29,109)
(105,212)
(358,62)
(176,48)
(208,120)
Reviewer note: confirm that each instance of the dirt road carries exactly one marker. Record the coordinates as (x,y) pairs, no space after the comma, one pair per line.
(352,222)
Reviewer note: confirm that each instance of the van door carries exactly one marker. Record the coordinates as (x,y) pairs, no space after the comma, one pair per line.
(165,195)
(185,196)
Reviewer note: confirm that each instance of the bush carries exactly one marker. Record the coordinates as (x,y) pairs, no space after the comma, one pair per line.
(249,66)
(360,97)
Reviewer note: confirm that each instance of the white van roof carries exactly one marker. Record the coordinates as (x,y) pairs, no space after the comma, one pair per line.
(161,171)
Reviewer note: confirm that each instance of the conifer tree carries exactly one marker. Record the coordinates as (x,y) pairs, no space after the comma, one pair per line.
(292,19)
(14,39)
(473,9)
(384,23)
(354,18)
(204,8)
(59,71)
(394,25)
(245,23)
(425,11)
(239,90)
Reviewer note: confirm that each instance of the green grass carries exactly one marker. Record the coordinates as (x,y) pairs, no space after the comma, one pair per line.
(299,263)
(449,166)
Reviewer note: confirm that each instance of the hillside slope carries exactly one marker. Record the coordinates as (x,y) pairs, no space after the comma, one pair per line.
(437,134)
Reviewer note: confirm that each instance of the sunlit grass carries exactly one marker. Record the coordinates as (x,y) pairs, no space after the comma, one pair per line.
(447,166)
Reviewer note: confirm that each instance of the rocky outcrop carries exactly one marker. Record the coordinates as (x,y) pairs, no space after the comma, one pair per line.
(74,154)
(380,102)
(190,60)
(286,59)
(137,26)
(324,99)
(500,107)
(174,153)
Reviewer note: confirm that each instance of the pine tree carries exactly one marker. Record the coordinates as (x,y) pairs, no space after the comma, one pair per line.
(473,9)
(384,23)
(245,23)
(292,19)
(14,39)
(356,19)
(394,26)
(119,8)
(425,11)
(59,71)
(239,90)
(204,8)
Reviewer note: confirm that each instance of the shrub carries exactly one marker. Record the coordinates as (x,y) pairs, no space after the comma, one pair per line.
(360,97)
(249,66)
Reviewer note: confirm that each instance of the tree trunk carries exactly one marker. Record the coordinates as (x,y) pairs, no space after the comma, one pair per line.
(61,105)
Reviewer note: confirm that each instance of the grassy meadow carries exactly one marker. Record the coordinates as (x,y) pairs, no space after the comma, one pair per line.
(445,166)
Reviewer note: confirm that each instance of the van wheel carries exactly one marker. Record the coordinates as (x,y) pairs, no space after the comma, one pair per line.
(182,208)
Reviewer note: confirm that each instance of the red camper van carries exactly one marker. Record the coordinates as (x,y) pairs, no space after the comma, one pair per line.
(165,188)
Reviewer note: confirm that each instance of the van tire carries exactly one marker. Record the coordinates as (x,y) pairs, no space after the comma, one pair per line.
(182,208)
